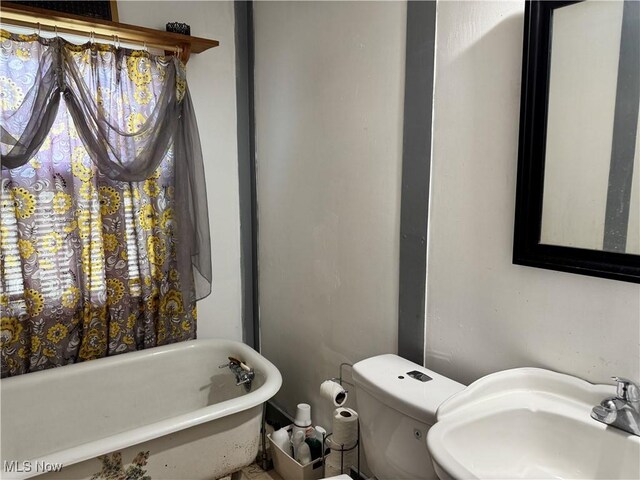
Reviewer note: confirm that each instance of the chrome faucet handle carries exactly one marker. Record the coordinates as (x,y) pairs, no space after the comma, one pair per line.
(606,412)
(627,390)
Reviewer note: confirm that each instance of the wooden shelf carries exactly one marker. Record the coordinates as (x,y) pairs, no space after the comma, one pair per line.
(48,20)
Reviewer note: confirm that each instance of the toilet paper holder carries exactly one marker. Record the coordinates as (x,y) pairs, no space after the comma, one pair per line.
(334,389)
(339,379)
(342,449)
(327,441)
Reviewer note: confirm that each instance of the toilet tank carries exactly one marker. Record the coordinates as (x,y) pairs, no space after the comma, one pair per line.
(397,402)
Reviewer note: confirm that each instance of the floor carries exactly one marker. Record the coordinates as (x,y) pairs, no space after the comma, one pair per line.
(254,472)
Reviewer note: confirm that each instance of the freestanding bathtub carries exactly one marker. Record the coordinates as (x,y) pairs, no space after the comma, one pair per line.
(163,413)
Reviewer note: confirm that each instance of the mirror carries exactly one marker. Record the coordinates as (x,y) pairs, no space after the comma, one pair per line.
(591,196)
(578,197)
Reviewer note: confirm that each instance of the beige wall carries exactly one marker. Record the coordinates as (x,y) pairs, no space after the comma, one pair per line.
(485,314)
(211,77)
(329,95)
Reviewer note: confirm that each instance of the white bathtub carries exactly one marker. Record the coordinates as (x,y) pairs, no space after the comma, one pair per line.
(171,401)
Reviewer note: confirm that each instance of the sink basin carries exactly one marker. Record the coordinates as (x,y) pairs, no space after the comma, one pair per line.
(530,423)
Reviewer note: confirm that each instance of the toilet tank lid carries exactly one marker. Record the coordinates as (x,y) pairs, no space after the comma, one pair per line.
(392,380)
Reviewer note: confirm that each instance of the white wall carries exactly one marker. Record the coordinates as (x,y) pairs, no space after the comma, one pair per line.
(329,95)
(211,77)
(483,313)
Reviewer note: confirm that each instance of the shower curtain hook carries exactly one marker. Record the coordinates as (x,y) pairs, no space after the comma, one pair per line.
(39,30)
(55,29)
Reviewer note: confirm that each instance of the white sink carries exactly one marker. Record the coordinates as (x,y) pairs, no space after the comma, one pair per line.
(530,423)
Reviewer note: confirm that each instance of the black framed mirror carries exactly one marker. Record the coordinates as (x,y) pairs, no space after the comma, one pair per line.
(578,186)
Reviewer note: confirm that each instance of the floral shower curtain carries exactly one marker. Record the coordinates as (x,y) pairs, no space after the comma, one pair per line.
(104,237)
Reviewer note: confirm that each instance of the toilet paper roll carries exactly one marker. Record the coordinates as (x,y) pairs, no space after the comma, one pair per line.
(345,427)
(336,466)
(349,458)
(332,467)
(334,392)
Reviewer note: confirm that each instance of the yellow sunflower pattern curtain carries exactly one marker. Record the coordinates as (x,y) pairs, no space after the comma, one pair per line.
(93,262)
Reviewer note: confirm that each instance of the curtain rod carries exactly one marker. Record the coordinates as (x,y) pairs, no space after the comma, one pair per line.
(115,38)
(40,19)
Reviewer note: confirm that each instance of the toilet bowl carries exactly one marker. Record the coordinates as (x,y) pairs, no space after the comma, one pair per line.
(397,402)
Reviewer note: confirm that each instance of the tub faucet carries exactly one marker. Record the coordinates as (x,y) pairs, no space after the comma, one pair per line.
(623,410)
(244,374)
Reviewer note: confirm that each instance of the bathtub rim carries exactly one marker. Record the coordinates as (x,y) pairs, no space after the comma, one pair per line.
(135,436)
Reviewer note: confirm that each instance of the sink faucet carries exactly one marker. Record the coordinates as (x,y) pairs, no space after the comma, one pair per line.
(623,410)
(244,374)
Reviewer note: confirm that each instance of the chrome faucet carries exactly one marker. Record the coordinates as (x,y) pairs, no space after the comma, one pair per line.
(244,374)
(623,410)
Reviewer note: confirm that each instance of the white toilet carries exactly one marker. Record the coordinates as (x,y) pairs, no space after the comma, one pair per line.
(397,402)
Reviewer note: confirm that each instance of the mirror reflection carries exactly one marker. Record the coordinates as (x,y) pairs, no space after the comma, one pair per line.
(592,169)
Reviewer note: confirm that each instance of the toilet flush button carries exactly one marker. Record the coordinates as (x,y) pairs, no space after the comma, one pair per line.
(419,376)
